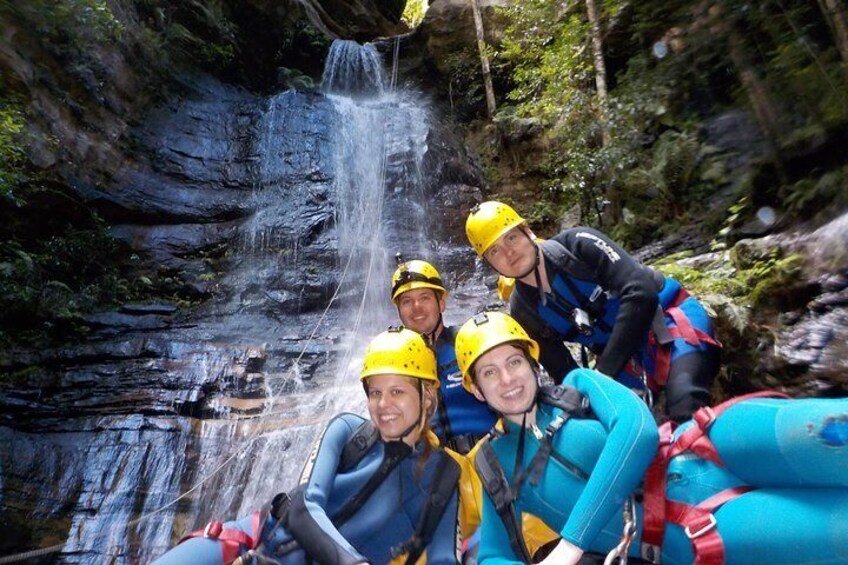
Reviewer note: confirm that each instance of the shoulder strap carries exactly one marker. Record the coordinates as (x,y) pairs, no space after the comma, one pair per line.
(360,443)
(497,487)
(573,405)
(566,398)
(394,453)
(562,258)
(449,333)
(442,489)
(566,262)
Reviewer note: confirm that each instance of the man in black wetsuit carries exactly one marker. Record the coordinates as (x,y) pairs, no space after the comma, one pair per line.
(645,329)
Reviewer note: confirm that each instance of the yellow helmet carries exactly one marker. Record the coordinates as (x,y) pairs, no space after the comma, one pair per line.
(505,287)
(484,332)
(488,221)
(416,274)
(400,351)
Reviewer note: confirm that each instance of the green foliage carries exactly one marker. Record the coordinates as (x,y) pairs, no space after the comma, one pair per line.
(72,31)
(804,197)
(647,169)
(414,12)
(548,50)
(195,31)
(12,154)
(47,285)
(76,24)
(737,212)
(465,88)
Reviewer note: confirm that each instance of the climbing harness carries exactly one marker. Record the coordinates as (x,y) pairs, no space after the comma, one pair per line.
(232,539)
(442,487)
(698,521)
(572,404)
(661,335)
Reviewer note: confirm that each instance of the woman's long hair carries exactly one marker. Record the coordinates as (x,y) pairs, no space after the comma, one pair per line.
(429,405)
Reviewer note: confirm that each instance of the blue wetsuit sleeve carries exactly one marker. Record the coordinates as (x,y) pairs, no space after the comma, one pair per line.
(495,548)
(308,521)
(631,444)
(617,271)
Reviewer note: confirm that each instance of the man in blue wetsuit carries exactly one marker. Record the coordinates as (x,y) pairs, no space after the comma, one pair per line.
(755,480)
(645,329)
(420,297)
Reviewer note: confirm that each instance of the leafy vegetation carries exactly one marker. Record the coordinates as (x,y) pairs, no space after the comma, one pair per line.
(47,285)
(414,12)
(640,162)
(11,150)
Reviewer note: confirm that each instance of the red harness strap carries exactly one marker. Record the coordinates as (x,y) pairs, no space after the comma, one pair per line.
(699,524)
(231,540)
(695,519)
(683,329)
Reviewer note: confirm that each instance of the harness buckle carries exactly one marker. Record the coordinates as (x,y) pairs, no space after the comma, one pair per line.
(703,529)
(213,529)
(705,417)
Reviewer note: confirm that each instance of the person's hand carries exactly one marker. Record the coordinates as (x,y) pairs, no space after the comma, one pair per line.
(565,553)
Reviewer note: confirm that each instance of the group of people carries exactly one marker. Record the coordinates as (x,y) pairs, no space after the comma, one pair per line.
(492,436)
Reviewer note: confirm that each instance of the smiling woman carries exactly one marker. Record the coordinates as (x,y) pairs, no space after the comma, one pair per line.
(757,479)
(373,489)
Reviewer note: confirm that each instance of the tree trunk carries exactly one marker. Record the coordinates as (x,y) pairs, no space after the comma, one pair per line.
(834,14)
(757,94)
(484,59)
(600,68)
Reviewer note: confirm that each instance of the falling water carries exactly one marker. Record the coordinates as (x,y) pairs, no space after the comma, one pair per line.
(354,70)
(374,183)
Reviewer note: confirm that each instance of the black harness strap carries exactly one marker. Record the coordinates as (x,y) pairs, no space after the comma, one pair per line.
(442,489)
(573,405)
(395,452)
(360,443)
(494,481)
(567,263)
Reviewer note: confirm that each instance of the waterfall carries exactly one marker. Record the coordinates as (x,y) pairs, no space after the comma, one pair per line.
(354,70)
(372,180)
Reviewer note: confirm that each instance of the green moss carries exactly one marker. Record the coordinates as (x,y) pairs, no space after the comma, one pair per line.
(11,148)
(753,277)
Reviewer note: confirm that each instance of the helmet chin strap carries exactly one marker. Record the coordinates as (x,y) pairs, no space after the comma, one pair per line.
(535,270)
(430,337)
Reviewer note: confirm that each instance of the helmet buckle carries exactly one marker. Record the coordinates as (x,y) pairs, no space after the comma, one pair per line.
(481,318)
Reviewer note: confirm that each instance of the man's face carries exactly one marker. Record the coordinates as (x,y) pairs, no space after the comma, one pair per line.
(419,309)
(513,254)
(505,380)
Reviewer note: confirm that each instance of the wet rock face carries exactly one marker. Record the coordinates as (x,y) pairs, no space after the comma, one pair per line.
(448,29)
(362,20)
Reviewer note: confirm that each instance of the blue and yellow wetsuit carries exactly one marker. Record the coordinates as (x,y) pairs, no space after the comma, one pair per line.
(388,517)
(461,419)
(794,452)
(620,296)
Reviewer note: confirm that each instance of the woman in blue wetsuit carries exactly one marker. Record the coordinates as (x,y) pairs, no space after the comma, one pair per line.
(366,489)
(761,480)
